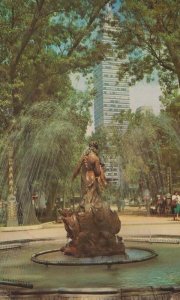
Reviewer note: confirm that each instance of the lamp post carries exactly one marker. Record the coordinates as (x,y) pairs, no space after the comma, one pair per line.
(12,219)
(169,180)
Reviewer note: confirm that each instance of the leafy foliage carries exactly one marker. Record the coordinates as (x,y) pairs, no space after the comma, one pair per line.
(149,34)
(40,43)
(47,140)
(149,146)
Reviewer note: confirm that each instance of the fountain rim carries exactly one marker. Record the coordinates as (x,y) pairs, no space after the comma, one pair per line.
(79,262)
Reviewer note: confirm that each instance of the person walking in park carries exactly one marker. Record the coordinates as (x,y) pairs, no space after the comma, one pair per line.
(176,198)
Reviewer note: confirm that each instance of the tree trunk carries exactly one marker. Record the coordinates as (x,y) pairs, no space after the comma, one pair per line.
(28,210)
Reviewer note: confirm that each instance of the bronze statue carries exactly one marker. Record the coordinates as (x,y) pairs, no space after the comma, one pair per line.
(92,229)
(92,176)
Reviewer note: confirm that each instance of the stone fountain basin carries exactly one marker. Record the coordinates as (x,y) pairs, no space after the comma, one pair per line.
(56,257)
(162,271)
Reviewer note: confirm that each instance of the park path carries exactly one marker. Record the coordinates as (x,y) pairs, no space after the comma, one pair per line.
(130,226)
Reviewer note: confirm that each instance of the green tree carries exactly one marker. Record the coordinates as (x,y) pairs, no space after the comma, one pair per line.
(41,42)
(147,148)
(149,34)
(47,142)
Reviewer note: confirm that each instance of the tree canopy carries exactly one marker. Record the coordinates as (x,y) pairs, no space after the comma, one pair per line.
(40,43)
(148,147)
(149,33)
(43,118)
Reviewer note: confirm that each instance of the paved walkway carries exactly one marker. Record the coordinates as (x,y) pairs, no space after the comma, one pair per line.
(148,225)
(130,226)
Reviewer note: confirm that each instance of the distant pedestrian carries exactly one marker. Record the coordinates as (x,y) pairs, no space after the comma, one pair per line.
(168,203)
(160,204)
(177,208)
(174,202)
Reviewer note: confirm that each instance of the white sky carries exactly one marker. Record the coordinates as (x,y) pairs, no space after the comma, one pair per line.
(145,94)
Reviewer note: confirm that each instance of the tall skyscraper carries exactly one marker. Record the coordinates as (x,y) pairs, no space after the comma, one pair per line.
(111,95)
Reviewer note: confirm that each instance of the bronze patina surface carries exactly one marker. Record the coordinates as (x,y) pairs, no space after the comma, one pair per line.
(93,228)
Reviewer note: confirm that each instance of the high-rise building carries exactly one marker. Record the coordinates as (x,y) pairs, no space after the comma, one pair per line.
(111,95)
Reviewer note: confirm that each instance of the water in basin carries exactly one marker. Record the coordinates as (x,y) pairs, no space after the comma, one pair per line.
(161,271)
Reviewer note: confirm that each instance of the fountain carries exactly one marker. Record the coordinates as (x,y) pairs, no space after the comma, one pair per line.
(93,228)
(93,241)
(159,277)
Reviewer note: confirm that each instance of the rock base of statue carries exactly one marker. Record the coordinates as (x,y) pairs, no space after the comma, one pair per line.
(92,232)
